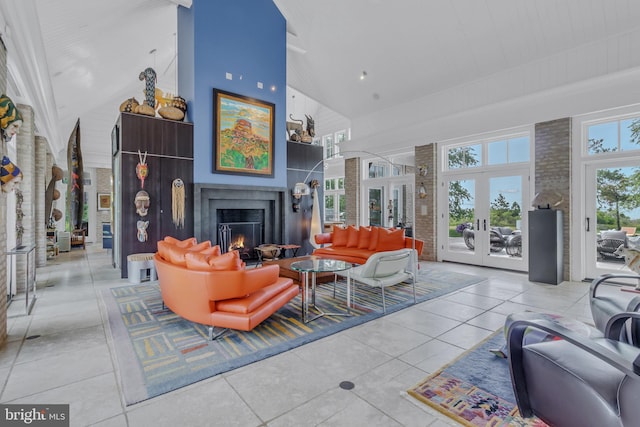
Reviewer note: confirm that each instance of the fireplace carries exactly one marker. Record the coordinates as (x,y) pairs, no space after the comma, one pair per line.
(242,230)
(258,211)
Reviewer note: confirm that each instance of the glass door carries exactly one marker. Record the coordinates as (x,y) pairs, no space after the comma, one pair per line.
(375,202)
(612,215)
(485,224)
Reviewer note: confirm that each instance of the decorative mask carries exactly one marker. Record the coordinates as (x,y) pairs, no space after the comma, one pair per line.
(10,117)
(142,170)
(10,175)
(142,230)
(142,203)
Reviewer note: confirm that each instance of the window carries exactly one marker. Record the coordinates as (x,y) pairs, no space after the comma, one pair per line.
(491,152)
(329,146)
(334,197)
(467,156)
(614,135)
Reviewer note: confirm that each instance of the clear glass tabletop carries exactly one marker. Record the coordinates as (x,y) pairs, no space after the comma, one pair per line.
(320,265)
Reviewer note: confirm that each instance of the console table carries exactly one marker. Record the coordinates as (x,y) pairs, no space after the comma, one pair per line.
(30,274)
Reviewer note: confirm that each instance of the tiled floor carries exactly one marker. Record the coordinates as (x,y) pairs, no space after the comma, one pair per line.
(72,362)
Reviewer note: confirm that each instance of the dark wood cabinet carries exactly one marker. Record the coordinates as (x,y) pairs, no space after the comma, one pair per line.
(169,155)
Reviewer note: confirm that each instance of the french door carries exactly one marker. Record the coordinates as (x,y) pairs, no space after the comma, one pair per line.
(483,219)
(611,215)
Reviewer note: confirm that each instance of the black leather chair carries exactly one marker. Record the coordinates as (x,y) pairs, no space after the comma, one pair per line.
(577,380)
(611,294)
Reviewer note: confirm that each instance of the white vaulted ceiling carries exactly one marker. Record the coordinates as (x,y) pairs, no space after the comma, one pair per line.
(85,58)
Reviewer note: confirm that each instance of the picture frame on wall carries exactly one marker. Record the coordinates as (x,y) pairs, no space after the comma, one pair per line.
(104,201)
(243,135)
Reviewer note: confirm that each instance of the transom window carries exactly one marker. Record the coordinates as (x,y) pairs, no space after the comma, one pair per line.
(494,152)
(614,135)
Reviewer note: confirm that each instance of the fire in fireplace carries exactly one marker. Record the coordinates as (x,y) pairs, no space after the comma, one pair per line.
(241,236)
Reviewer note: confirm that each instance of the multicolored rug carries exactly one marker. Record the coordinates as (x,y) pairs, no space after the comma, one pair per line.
(475,389)
(158,351)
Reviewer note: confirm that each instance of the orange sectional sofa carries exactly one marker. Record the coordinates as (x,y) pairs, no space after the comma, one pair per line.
(357,244)
(203,286)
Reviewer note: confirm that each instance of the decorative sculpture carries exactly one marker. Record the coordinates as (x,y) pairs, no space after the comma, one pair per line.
(142,230)
(10,118)
(311,126)
(177,202)
(142,170)
(294,129)
(142,202)
(149,76)
(10,175)
(75,188)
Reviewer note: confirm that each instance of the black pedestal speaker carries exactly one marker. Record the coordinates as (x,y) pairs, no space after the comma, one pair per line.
(545,246)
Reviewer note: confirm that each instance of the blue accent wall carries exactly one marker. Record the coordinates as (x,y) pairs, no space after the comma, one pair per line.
(246,38)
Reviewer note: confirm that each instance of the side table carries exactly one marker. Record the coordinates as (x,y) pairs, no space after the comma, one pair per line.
(30,274)
(316,265)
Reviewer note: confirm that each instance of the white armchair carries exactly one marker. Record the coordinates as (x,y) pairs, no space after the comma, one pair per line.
(384,269)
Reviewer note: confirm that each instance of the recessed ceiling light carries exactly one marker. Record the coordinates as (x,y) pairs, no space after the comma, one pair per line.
(363,75)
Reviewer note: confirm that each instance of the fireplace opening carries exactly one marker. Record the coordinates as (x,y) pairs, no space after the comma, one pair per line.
(241,236)
(242,230)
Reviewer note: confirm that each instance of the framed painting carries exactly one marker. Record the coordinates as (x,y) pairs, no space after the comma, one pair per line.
(104,201)
(243,135)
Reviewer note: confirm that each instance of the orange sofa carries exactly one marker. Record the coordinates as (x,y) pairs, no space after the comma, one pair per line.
(357,244)
(202,286)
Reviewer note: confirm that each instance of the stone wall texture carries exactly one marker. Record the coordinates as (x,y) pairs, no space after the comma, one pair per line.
(39,192)
(25,159)
(425,223)
(553,171)
(352,190)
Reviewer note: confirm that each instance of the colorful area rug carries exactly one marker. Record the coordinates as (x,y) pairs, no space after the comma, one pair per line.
(158,351)
(475,389)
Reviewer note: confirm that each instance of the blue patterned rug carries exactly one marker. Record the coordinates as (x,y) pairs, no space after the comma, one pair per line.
(158,351)
(475,389)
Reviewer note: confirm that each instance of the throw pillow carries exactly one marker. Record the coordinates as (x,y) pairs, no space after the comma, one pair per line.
(390,240)
(211,251)
(340,236)
(175,254)
(197,261)
(225,262)
(229,261)
(181,243)
(352,237)
(373,240)
(364,237)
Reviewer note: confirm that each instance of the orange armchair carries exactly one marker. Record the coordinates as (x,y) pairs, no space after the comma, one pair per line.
(238,299)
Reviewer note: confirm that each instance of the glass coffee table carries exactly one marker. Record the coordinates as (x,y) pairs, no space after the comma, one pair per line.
(313,266)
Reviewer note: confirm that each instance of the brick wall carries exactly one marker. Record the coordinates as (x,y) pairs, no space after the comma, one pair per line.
(352,190)
(553,171)
(25,159)
(40,188)
(425,222)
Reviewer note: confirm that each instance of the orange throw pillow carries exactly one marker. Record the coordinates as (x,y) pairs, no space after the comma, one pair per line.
(373,240)
(352,237)
(175,254)
(225,262)
(211,251)
(340,236)
(390,240)
(181,243)
(364,237)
